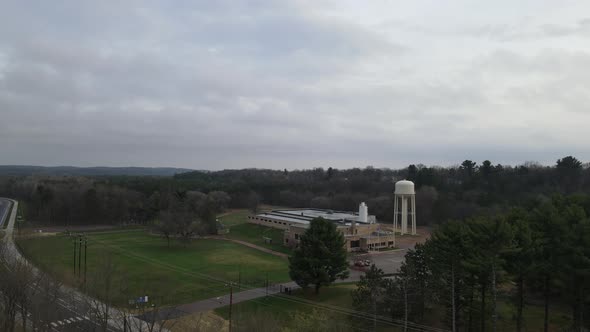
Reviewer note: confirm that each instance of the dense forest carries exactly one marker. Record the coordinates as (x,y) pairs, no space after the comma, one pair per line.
(535,256)
(443,193)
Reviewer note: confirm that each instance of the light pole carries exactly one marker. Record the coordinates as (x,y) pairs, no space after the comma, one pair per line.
(231,301)
(85,258)
(75,245)
(79,256)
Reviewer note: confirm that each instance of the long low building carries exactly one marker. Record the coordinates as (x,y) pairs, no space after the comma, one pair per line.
(361,230)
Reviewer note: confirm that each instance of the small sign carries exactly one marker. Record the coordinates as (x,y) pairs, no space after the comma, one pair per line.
(141,299)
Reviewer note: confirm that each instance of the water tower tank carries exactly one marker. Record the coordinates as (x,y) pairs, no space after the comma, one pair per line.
(404,187)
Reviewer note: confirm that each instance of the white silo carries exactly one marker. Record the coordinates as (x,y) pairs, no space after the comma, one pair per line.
(404,190)
(363,213)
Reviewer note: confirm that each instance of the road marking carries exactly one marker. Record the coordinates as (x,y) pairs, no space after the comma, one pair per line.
(79,319)
(60,322)
(53,324)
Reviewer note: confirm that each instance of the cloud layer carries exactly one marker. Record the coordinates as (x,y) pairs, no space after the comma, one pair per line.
(229,84)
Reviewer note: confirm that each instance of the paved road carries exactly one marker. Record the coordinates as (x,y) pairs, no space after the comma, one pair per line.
(73,310)
(4,207)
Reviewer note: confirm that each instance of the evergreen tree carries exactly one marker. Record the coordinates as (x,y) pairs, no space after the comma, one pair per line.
(368,295)
(551,233)
(320,258)
(520,260)
(448,250)
(493,239)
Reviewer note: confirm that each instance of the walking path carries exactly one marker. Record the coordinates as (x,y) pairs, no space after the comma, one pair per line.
(218,302)
(237,297)
(248,244)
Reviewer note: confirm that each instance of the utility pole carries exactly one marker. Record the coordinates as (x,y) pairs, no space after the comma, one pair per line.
(75,244)
(453,295)
(405,304)
(231,301)
(79,256)
(240,277)
(85,258)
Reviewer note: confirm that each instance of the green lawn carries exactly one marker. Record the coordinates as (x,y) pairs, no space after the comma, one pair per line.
(238,228)
(234,217)
(559,317)
(256,233)
(283,308)
(144,265)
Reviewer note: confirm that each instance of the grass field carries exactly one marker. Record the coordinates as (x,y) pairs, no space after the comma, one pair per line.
(256,233)
(238,228)
(144,265)
(284,308)
(234,217)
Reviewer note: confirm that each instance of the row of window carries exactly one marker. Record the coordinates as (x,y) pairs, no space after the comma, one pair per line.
(382,244)
(271,221)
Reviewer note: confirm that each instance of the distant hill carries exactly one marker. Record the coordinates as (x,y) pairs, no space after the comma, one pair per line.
(20,170)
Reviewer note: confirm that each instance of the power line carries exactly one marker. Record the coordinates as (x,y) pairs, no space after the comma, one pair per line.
(341,310)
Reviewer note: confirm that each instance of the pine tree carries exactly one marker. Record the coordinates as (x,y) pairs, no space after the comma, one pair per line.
(520,260)
(320,258)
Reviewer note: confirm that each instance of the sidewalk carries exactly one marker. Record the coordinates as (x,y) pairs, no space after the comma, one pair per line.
(218,302)
(248,244)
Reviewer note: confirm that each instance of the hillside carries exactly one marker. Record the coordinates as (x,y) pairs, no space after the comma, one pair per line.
(25,170)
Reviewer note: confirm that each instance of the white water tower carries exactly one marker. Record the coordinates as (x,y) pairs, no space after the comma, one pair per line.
(404,191)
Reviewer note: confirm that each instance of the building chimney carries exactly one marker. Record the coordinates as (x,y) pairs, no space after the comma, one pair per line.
(363,213)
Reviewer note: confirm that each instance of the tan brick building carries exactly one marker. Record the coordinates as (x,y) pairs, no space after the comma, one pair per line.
(361,231)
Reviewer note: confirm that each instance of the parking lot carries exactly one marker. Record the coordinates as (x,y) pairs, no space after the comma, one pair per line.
(390,261)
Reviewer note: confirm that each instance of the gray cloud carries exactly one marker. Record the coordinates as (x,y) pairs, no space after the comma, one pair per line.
(288,85)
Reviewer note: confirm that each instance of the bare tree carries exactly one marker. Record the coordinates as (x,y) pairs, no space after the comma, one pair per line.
(43,310)
(102,285)
(27,283)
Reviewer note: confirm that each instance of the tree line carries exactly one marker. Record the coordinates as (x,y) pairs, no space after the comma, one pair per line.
(443,193)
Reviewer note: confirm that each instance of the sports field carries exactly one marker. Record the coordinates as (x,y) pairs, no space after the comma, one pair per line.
(143,264)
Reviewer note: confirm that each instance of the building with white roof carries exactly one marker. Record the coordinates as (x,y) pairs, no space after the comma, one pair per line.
(361,230)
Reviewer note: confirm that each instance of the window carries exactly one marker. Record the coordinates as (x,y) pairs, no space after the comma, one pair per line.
(296,236)
(355,244)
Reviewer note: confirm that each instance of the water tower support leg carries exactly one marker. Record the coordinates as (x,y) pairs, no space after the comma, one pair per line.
(404,215)
(413,215)
(395,209)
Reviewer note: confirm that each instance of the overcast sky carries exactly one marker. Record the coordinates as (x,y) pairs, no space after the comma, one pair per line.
(293,84)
